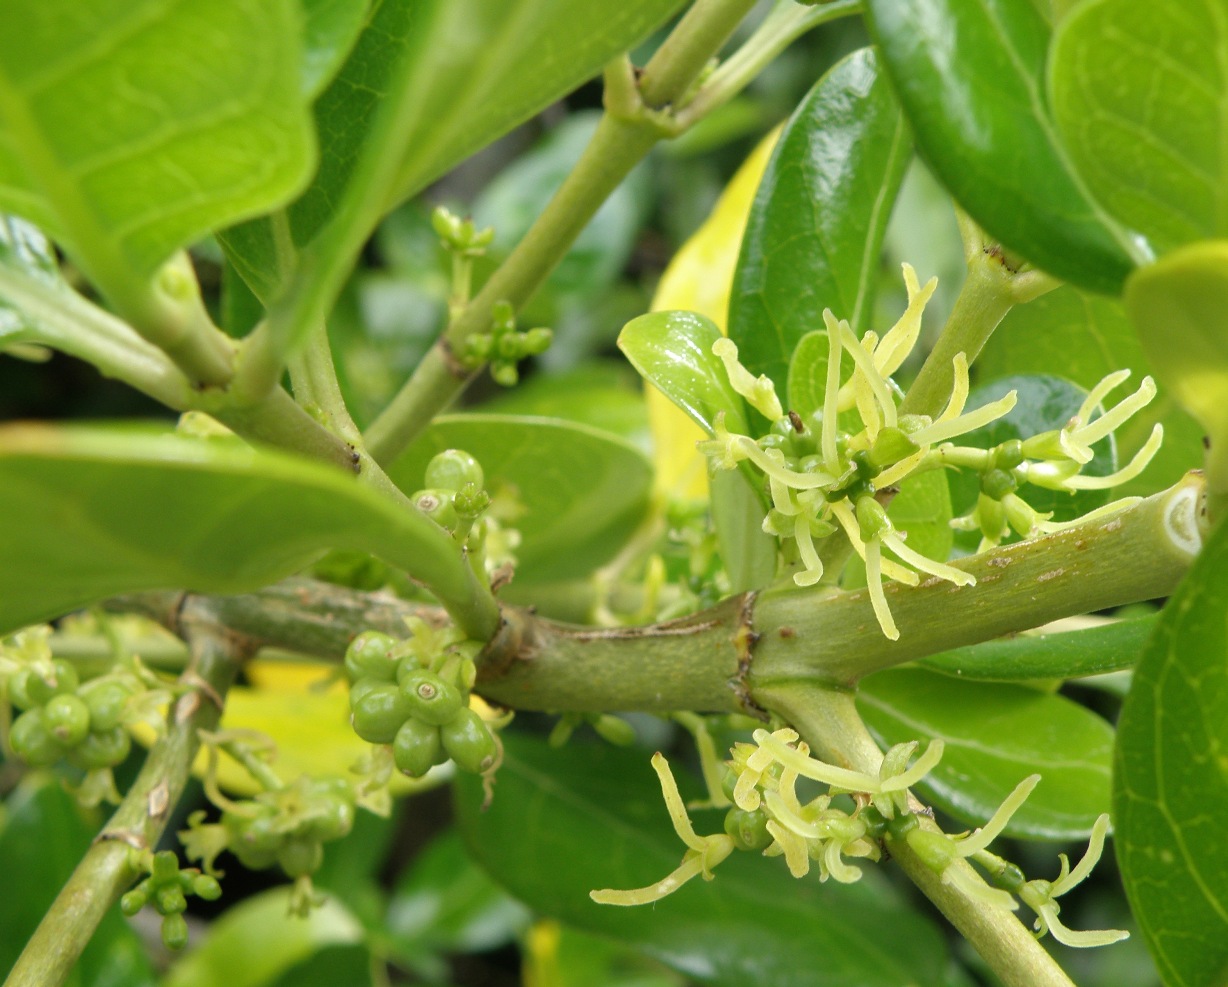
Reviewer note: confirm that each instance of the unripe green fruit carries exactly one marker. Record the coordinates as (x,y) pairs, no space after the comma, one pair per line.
(432,699)
(101,749)
(300,855)
(748,829)
(33,742)
(67,718)
(332,824)
(452,469)
(174,931)
(107,700)
(417,748)
(64,679)
(370,656)
(469,742)
(378,713)
(256,836)
(438,505)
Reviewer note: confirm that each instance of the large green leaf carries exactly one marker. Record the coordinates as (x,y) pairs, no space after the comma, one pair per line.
(599,809)
(816,228)
(43,835)
(1170,790)
(996,735)
(581,492)
(89,512)
(1046,656)
(471,70)
(131,127)
(1138,91)
(330,30)
(969,74)
(257,941)
(1179,306)
(1085,337)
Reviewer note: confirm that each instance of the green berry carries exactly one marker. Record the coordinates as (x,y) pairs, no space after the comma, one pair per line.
(174,931)
(432,699)
(469,741)
(102,749)
(107,700)
(299,856)
(417,748)
(452,469)
(63,679)
(370,656)
(33,742)
(748,829)
(334,822)
(67,718)
(378,713)
(438,506)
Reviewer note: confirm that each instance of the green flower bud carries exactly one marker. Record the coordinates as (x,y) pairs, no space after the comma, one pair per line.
(169,900)
(615,730)
(748,829)
(67,718)
(102,749)
(370,656)
(998,483)
(871,518)
(470,502)
(299,856)
(891,446)
(1009,454)
(417,748)
(1010,878)
(107,700)
(133,901)
(452,469)
(432,699)
(934,849)
(165,867)
(504,373)
(534,342)
(378,713)
(205,886)
(469,742)
(502,317)
(174,931)
(33,742)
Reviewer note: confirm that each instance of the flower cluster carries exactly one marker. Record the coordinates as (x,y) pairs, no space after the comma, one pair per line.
(768,815)
(833,470)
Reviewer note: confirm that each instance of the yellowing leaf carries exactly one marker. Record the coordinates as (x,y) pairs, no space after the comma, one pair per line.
(699,279)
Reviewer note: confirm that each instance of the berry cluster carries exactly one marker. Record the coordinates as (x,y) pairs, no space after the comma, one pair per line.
(167,888)
(414,695)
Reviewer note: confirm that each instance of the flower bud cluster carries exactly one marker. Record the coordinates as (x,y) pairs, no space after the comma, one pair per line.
(167,888)
(833,470)
(505,345)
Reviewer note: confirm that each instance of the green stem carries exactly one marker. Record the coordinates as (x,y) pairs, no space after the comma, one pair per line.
(314,378)
(828,721)
(627,132)
(106,870)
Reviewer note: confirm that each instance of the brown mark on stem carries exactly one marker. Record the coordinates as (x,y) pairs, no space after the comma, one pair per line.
(744,640)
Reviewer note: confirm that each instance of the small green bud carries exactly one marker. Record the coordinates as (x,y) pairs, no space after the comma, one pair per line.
(417,748)
(891,446)
(615,730)
(535,342)
(33,742)
(452,469)
(107,700)
(900,826)
(871,518)
(998,483)
(1009,454)
(748,829)
(165,866)
(992,516)
(379,712)
(502,317)
(469,742)
(169,899)
(133,901)
(205,886)
(1009,878)
(432,699)
(174,931)
(447,224)
(470,502)
(370,656)
(934,849)
(67,718)
(101,749)
(477,348)
(504,373)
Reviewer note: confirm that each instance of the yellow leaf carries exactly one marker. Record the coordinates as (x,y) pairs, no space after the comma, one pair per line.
(699,279)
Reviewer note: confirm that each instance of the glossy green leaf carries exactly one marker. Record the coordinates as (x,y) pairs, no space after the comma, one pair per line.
(1138,91)
(257,941)
(580,492)
(90,512)
(970,78)
(43,835)
(330,967)
(748,553)
(128,128)
(816,229)
(565,957)
(808,377)
(1170,787)
(1180,308)
(996,735)
(473,69)
(1046,656)
(1045,403)
(673,352)
(446,904)
(1085,337)
(599,810)
(330,30)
